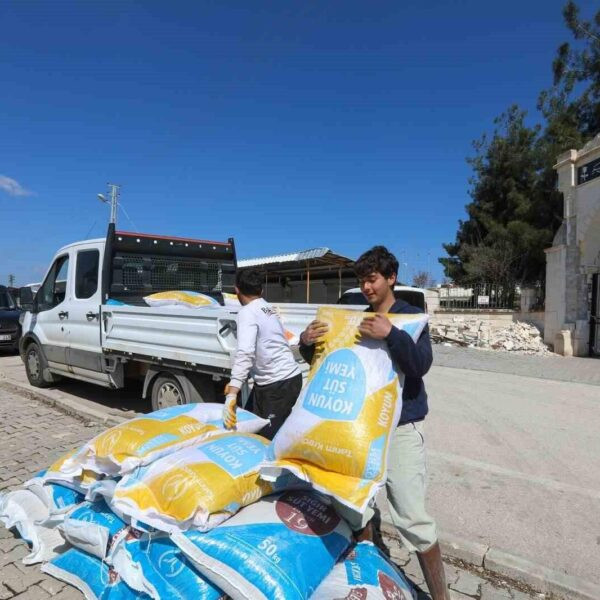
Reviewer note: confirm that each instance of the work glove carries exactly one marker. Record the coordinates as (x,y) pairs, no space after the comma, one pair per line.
(229,411)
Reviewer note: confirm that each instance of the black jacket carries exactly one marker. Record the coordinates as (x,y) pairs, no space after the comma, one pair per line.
(414,360)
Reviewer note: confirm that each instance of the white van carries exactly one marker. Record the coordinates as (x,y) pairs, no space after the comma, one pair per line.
(412,295)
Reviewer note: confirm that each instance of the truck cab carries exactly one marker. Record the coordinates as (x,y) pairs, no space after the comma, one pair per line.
(63,333)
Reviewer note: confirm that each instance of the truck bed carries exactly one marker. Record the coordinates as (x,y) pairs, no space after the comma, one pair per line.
(201,337)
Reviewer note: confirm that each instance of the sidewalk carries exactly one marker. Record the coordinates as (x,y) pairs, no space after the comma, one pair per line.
(553,367)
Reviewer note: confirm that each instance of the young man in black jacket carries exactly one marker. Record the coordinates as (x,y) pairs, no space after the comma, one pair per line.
(377,271)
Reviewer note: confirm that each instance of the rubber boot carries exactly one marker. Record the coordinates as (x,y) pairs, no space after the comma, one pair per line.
(433,572)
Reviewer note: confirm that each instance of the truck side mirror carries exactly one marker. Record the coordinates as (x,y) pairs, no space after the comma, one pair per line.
(26,298)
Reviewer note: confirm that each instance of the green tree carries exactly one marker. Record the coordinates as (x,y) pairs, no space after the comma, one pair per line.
(504,237)
(515,208)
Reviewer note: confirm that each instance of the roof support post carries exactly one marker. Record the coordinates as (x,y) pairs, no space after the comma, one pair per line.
(307,282)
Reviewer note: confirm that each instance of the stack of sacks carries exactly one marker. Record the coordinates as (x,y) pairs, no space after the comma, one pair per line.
(47,513)
(197,487)
(337,436)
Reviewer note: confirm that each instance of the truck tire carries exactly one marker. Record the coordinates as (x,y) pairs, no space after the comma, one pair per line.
(166,391)
(36,369)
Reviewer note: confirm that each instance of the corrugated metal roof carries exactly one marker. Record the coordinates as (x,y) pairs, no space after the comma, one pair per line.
(291,257)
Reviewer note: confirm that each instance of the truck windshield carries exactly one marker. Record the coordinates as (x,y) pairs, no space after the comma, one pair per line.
(6,301)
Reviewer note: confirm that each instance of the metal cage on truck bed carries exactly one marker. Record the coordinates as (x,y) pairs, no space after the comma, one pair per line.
(136,265)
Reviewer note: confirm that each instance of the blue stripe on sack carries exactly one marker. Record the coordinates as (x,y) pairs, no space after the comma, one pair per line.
(63,497)
(155,442)
(164,414)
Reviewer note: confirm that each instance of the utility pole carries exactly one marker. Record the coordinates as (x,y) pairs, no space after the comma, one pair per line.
(114,191)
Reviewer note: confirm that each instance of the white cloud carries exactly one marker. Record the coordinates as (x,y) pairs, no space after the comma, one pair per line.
(12,187)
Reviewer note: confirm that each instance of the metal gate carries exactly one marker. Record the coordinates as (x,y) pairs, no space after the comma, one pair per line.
(595,317)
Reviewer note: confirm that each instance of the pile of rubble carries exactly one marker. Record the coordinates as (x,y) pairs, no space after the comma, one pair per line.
(474,333)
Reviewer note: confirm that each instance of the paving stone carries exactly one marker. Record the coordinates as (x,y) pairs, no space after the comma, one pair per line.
(52,586)
(489,592)
(8,544)
(16,555)
(17,581)
(413,571)
(68,593)
(33,593)
(454,595)
(5,593)
(468,584)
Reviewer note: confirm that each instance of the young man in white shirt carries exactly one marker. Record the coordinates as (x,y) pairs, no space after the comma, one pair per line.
(264,353)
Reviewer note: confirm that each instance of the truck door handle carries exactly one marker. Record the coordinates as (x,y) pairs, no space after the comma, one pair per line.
(63,314)
(90,316)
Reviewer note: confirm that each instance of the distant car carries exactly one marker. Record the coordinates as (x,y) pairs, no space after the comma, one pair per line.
(10,329)
(412,295)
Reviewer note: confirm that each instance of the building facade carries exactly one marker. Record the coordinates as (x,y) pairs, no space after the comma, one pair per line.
(572,317)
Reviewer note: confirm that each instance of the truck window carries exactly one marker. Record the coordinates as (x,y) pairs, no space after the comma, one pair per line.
(54,288)
(86,273)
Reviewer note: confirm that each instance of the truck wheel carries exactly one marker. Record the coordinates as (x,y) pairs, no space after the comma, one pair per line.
(166,392)
(35,366)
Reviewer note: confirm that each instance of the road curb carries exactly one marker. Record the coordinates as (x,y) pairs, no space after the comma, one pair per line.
(511,566)
(65,405)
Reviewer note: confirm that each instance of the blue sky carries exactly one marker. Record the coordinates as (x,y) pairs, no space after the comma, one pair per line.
(287,125)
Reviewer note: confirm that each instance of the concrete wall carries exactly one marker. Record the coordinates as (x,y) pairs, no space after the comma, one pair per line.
(575,254)
(556,277)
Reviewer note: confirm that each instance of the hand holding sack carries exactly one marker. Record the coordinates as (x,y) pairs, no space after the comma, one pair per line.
(230,411)
(337,436)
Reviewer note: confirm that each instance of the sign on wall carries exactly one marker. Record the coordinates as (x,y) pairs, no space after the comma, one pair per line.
(588,172)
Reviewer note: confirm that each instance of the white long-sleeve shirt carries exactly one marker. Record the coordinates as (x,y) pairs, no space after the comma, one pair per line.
(262,349)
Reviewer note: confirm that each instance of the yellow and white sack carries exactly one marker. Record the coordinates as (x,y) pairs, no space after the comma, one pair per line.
(338,433)
(144,439)
(181,298)
(197,487)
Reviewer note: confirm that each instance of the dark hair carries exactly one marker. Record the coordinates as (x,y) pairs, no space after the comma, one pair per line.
(376,260)
(249,282)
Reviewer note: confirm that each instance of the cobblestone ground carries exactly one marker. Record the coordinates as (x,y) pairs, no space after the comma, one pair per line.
(33,435)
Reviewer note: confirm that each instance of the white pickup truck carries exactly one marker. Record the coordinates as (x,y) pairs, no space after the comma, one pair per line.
(89,320)
(76,327)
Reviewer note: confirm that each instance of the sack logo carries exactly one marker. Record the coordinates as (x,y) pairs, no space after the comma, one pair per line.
(174,487)
(169,564)
(306,513)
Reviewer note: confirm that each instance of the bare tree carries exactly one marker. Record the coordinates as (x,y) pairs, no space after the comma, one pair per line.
(422,279)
